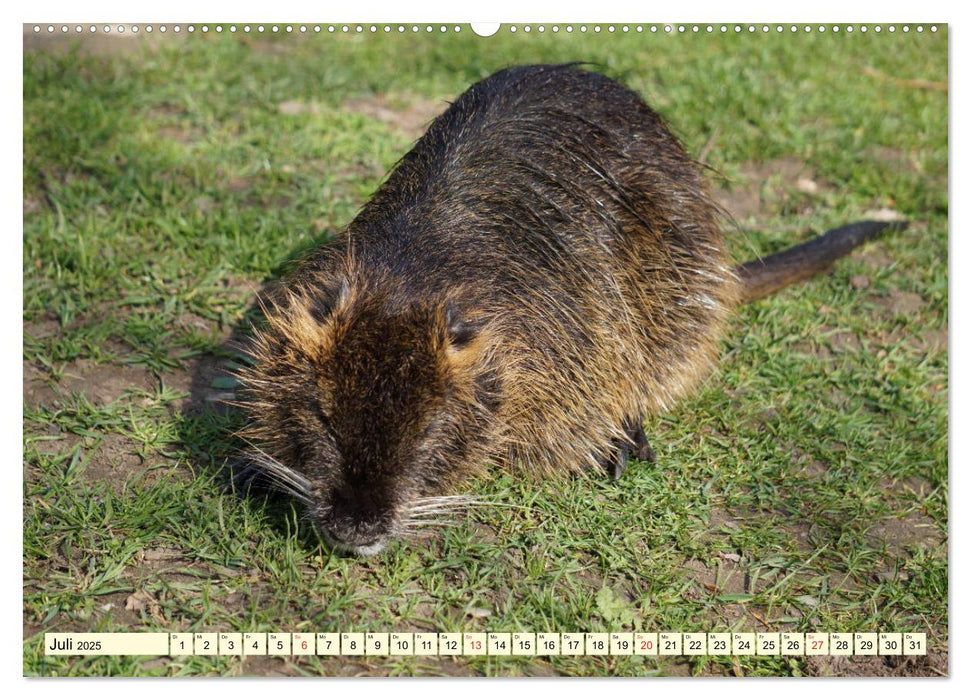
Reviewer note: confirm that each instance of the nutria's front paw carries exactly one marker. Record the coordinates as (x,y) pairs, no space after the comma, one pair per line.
(636,444)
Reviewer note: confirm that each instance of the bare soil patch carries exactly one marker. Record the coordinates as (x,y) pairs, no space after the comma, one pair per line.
(101,383)
(408,114)
(901,534)
(933,665)
(901,303)
(899,160)
(762,188)
(114,461)
(873,257)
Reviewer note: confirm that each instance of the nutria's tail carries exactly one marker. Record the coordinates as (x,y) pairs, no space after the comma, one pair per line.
(766,275)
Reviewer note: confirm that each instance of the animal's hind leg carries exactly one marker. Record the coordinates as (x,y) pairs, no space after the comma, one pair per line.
(636,442)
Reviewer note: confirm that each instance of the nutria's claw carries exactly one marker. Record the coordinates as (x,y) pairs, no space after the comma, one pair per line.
(620,462)
(636,439)
(642,448)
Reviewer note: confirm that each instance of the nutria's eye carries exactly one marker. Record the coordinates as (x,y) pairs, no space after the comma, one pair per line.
(326,424)
(461,331)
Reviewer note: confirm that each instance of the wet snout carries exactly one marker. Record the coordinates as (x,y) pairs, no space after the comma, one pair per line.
(358,521)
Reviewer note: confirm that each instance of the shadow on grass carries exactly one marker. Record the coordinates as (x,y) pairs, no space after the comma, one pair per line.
(214,413)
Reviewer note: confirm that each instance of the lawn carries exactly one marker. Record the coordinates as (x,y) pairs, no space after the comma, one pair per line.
(804,488)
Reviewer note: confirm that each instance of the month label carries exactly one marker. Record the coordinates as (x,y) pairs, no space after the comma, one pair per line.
(106,643)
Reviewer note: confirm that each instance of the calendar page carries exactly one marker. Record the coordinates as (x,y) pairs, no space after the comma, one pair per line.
(515,349)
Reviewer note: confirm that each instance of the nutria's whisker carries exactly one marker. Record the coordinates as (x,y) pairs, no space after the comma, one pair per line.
(282,473)
(432,510)
(458,500)
(275,474)
(427,515)
(410,524)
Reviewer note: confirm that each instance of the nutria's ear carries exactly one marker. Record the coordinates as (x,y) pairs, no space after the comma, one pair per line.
(461,331)
(327,297)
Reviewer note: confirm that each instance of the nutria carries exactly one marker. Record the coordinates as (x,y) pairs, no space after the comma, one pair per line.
(542,271)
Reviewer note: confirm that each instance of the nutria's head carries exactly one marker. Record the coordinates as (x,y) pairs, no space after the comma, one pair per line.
(367,409)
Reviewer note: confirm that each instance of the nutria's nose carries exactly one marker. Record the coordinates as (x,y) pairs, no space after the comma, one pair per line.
(357,538)
(353,528)
(354,543)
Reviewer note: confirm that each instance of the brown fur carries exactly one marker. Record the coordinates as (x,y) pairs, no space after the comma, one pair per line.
(543,270)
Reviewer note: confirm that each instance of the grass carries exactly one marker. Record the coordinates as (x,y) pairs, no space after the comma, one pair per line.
(804,488)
